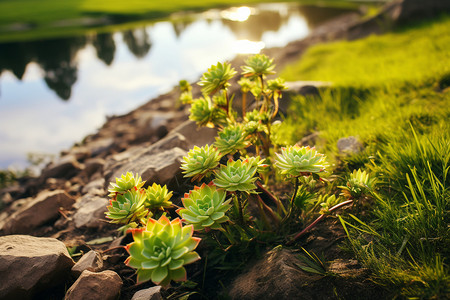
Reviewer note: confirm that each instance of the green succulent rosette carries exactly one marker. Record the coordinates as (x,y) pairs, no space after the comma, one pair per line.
(295,161)
(216,78)
(200,162)
(202,112)
(205,207)
(258,65)
(161,249)
(276,85)
(158,197)
(231,139)
(127,208)
(358,184)
(236,176)
(124,183)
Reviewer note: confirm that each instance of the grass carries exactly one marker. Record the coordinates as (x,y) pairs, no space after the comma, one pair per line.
(391,92)
(37,19)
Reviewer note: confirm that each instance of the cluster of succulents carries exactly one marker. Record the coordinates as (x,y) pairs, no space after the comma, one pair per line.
(161,248)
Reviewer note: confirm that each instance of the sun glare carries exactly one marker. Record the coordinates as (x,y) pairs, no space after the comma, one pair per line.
(239,14)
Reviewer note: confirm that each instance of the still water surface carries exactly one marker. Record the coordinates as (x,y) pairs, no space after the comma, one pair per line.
(55,92)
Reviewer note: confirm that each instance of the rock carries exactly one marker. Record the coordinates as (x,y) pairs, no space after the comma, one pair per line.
(91,213)
(105,285)
(273,277)
(100,146)
(93,165)
(349,145)
(91,261)
(195,136)
(95,187)
(153,293)
(65,167)
(30,265)
(39,211)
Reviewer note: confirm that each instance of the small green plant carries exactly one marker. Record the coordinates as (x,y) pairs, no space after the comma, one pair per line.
(200,162)
(158,197)
(125,183)
(161,249)
(205,207)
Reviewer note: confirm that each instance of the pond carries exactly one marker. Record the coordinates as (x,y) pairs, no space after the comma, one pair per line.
(55,92)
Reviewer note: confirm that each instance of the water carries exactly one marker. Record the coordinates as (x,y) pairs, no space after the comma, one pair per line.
(55,92)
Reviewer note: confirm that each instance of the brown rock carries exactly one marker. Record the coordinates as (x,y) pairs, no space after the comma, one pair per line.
(39,211)
(29,265)
(153,293)
(105,285)
(91,261)
(91,212)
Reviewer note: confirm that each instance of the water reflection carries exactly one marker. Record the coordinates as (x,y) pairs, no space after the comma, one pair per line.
(111,73)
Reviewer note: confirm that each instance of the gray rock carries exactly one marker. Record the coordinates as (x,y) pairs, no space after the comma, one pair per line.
(91,213)
(195,136)
(39,211)
(94,187)
(99,146)
(159,167)
(153,293)
(105,285)
(349,145)
(65,167)
(91,261)
(93,165)
(29,265)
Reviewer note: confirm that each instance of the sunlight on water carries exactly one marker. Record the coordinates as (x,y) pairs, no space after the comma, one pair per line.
(239,14)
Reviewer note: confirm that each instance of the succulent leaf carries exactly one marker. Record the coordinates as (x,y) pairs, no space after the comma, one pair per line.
(205,207)
(161,250)
(295,161)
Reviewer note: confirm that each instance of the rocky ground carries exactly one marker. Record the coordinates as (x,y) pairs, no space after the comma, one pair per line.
(63,209)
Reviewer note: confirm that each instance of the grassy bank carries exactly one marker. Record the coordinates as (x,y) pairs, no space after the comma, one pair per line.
(392,92)
(34,19)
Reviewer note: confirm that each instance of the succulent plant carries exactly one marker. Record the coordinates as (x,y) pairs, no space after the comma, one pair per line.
(161,249)
(358,184)
(124,183)
(202,112)
(200,162)
(127,208)
(295,161)
(205,207)
(186,98)
(231,139)
(216,78)
(236,176)
(258,65)
(256,161)
(328,201)
(185,86)
(276,85)
(246,84)
(158,197)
